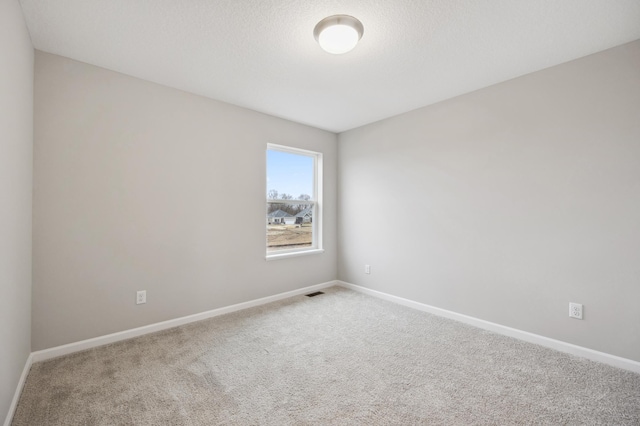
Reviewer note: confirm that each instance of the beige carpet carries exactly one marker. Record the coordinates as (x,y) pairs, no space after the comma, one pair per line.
(341,358)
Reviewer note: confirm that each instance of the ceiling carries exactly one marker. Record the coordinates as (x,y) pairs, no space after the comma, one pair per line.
(261,54)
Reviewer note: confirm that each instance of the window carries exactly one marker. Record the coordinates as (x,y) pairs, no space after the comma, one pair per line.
(294,201)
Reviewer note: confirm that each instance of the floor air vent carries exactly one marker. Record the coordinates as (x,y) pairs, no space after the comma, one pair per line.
(317,293)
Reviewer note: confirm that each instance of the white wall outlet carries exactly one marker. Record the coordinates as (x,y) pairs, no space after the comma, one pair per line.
(367,269)
(141,297)
(575,310)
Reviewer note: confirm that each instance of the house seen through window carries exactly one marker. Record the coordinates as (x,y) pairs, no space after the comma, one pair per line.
(293,213)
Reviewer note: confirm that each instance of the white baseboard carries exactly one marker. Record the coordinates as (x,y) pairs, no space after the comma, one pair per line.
(152,328)
(558,345)
(16,395)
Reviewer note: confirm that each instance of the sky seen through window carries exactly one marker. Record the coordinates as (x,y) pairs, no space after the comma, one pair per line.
(289,173)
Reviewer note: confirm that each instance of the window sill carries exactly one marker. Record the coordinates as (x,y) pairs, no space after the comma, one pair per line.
(277,256)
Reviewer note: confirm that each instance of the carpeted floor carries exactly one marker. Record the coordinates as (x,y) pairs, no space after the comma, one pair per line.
(341,358)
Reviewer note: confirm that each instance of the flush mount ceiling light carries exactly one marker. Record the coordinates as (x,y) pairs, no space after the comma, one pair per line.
(338,33)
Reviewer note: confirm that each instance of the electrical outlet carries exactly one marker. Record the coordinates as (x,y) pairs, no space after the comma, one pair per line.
(575,310)
(141,297)
(367,269)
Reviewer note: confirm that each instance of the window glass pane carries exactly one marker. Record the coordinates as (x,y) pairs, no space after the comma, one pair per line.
(294,201)
(289,176)
(289,226)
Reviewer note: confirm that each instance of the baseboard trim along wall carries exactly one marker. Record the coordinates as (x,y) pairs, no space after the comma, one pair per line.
(558,345)
(16,395)
(152,328)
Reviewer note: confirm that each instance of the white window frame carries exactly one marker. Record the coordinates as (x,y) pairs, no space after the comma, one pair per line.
(316,201)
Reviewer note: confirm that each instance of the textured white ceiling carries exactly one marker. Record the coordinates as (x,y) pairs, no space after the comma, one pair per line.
(261,54)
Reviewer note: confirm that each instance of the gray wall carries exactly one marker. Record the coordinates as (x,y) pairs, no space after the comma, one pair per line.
(142,187)
(508,203)
(16,147)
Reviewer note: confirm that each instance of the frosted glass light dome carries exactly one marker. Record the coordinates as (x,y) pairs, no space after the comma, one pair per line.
(338,34)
